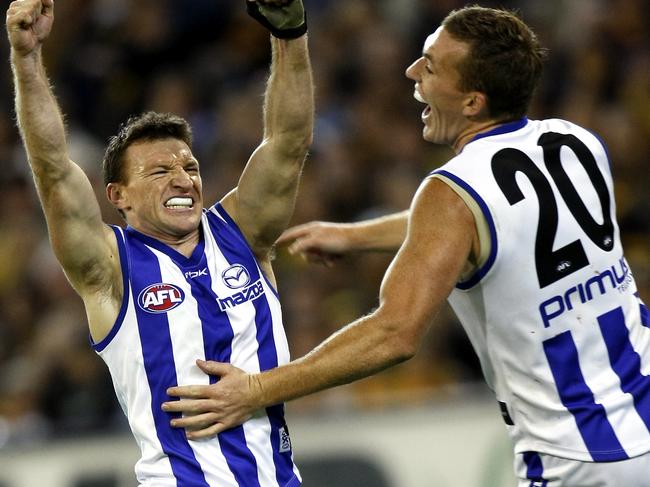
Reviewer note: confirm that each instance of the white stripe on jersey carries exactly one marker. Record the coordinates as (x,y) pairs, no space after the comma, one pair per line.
(187,343)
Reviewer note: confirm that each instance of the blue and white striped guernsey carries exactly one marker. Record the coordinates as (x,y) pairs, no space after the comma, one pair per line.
(553,312)
(214,305)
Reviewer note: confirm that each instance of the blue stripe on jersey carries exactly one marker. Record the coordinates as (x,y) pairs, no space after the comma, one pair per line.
(121,248)
(591,418)
(268,359)
(222,212)
(216,328)
(480,273)
(217,337)
(535,469)
(502,129)
(161,373)
(625,361)
(267,352)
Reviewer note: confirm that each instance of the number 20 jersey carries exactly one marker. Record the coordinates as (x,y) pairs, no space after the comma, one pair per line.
(553,310)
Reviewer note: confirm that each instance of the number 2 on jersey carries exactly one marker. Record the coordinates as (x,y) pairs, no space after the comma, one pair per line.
(553,265)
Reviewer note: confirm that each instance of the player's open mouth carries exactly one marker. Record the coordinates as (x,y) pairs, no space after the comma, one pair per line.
(179,203)
(420,98)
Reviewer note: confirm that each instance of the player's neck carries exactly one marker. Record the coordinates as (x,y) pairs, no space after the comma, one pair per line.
(472,131)
(183,244)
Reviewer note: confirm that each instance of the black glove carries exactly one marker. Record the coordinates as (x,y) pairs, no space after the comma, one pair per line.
(286,19)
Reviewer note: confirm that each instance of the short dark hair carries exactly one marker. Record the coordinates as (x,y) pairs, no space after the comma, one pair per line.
(504,60)
(148,126)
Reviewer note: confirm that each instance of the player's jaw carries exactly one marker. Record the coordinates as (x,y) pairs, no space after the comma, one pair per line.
(437,128)
(180,212)
(166,213)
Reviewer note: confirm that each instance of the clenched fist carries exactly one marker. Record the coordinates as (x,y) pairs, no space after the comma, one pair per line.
(29,22)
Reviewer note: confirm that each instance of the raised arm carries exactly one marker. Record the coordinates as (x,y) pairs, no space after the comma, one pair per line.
(80,240)
(263,202)
(324,242)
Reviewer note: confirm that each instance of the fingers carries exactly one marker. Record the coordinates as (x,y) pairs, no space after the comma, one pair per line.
(294,233)
(188,406)
(47,8)
(197,422)
(208,432)
(29,8)
(200,418)
(189,392)
(299,245)
(19,17)
(29,23)
(199,426)
(300,238)
(312,242)
(211,367)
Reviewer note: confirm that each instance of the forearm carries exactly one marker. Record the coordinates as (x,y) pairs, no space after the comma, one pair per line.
(265,197)
(289,99)
(39,118)
(383,234)
(359,350)
(67,197)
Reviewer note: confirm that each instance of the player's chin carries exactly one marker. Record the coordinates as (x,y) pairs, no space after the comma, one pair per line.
(182,224)
(428,134)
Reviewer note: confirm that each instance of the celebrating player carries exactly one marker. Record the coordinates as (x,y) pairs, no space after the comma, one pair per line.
(180,281)
(519,232)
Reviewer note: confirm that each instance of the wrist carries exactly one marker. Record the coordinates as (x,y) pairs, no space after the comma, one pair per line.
(291,33)
(27,57)
(257,397)
(30,63)
(354,237)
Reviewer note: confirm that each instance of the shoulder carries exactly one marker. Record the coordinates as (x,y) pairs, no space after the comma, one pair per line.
(437,204)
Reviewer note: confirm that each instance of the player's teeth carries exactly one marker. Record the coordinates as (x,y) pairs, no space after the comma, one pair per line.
(178,201)
(418,96)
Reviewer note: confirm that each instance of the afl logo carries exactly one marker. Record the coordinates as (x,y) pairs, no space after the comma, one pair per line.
(160,298)
(236,276)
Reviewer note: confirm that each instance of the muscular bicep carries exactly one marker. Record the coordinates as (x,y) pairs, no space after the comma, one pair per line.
(82,243)
(263,202)
(440,238)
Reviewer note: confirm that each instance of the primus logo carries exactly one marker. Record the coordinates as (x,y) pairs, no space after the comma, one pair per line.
(250,293)
(598,285)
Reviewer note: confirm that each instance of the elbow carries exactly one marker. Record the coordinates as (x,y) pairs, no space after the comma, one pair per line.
(295,144)
(403,339)
(406,347)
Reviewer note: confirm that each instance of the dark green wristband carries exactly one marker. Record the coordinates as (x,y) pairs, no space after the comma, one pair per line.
(289,22)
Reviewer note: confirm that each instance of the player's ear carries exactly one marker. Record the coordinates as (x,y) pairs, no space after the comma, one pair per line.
(474,104)
(116,195)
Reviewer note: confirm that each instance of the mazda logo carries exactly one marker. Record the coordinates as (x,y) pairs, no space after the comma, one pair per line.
(235,276)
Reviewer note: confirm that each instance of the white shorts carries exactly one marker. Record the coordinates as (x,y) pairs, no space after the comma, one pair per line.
(541,470)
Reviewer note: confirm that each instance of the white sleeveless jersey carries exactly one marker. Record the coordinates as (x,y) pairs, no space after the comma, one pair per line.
(553,313)
(215,305)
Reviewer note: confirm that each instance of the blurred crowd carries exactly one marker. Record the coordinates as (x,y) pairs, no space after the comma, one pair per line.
(207,61)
